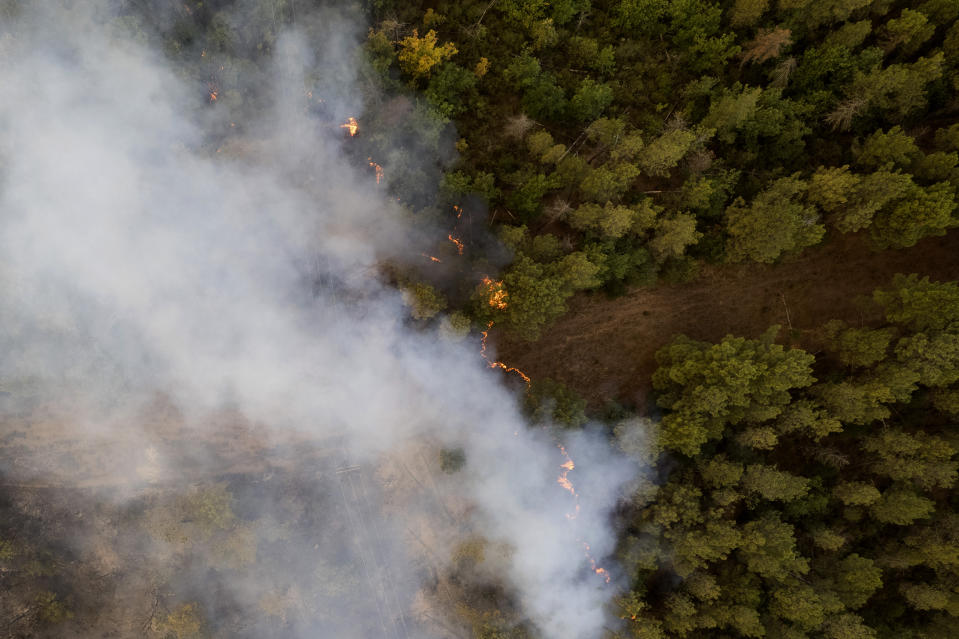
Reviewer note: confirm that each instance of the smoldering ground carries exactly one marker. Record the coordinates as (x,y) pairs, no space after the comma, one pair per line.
(210,400)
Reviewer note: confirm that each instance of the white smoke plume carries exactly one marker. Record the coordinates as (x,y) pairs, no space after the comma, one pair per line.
(138,260)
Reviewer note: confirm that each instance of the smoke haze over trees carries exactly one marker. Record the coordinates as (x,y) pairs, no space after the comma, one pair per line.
(168,288)
(256,258)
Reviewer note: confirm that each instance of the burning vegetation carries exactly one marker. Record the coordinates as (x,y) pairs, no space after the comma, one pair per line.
(496,293)
(351,126)
(377,169)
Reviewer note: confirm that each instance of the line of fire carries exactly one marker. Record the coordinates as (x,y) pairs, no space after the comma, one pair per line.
(497,297)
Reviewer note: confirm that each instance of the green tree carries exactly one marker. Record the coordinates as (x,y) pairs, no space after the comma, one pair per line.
(800,604)
(665,152)
(578,271)
(872,193)
(807,417)
(854,579)
(775,222)
(774,484)
(899,89)
(858,346)
(925,460)
(920,305)
(642,15)
(608,182)
(885,150)
(731,111)
(542,97)
(424,301)
(925,597)
(901,507)
(450,90)
(906,32)
(768,548)
(922,212)
(549,401)
(830,188)
(707,387)
(856,493)
(746,13)
(537,296)
(526,199)
(856,401)
(718,472)
(590,100)
(935,359)
(611,220)
(847,626)
(823,12)
(672,236)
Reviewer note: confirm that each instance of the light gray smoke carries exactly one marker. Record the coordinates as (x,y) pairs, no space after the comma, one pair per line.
(137,260)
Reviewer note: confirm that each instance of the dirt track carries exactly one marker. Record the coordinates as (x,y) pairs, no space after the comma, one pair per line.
(604,348)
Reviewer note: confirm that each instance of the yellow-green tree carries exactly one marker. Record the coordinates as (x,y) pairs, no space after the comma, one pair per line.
(418,55)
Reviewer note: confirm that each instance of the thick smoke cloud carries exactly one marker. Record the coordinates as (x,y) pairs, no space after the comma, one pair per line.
(136,261)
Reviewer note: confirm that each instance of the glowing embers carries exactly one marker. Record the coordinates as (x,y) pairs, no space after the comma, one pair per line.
(496,293)
(352,126)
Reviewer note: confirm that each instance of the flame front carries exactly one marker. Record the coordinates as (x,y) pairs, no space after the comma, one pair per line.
(351,125)
(602,572)
(459,244)
(568,465)
(501,365)
(563,480)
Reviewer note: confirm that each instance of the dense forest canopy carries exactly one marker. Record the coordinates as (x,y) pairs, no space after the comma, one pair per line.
(797,483)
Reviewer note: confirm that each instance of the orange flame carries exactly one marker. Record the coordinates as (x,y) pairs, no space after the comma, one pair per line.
(501,365)
(563,480)
(432,259)
(351,125)
(456,241)
(567,465)
(602,572)
(214,92)
(376,167)
(458,210)
(496,293)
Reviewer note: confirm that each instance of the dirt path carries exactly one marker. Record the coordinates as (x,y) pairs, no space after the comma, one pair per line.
(604,348)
